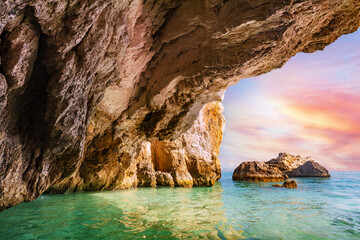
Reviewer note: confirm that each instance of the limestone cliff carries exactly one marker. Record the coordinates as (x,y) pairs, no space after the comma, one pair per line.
(193,158)
(84,83)
(190,160)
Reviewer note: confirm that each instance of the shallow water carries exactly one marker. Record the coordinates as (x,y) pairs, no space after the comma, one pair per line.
(318,209)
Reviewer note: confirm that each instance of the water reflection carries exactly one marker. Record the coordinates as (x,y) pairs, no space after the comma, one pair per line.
(163,213)
(173,212)
(318,209)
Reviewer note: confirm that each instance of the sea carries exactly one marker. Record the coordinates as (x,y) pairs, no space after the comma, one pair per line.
(320,208)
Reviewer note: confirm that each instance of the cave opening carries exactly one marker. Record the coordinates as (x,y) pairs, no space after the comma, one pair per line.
(308,107)
(97,96)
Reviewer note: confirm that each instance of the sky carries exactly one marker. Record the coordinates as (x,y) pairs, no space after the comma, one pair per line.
(309,107)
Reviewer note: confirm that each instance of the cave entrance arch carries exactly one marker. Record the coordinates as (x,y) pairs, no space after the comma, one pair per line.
(307,107)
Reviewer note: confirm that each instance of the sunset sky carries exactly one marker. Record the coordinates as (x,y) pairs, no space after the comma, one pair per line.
(311,106)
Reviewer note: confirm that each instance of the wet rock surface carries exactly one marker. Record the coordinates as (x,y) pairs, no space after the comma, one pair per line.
(287,184)
(83,84)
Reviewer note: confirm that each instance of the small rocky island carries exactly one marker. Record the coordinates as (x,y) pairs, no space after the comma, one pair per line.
(279,169)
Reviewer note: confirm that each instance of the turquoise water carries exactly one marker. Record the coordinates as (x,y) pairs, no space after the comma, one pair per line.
(318,209)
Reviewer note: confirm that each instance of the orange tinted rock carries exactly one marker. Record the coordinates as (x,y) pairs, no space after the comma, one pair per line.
(164,179)
(287,162)
(192,159)
(280,168)
(289,184)
(145,175)
(258,171)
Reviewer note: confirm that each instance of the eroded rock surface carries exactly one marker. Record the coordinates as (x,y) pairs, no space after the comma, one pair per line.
(193,158)
(190,160)
(83,84)
(280,168)
(287,184)
(287,162)
(164,179)
(309,169)
(259,172)
(297,166)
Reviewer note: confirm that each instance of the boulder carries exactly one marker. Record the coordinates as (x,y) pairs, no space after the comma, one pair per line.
(309,169)
(279,169)
(258,171)
(146,175)
(297,166)
(286,161)
(164,179)
(287,184)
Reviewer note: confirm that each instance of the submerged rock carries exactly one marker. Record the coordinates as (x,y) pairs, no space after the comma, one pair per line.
(287,184)
(309,169)
(258,171)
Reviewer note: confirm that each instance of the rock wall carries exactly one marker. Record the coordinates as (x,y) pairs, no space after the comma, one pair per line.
(84,83)
(190,160)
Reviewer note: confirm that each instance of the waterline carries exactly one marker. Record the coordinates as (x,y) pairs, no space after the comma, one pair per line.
(318,209)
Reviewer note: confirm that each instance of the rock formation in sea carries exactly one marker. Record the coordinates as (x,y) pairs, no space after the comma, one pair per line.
(258,171)
(164,179)
(309,169)
(287,162)
(279,169)
(297,166)
(287,184)
(84,84)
